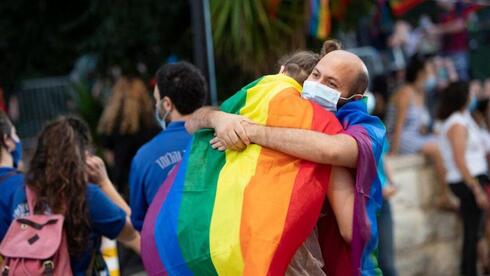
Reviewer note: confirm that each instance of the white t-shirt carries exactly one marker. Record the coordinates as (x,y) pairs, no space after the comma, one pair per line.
(475,155)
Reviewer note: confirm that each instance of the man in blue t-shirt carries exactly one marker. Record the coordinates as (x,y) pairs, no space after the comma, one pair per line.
(180,90)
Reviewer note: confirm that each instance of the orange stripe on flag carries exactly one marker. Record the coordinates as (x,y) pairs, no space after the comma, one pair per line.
(271,187)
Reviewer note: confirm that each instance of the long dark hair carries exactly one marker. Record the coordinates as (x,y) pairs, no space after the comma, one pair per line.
(452,99)
(415,66)
(5,128)
(57,176)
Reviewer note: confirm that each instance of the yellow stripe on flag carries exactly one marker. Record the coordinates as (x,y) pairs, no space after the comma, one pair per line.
(225,223)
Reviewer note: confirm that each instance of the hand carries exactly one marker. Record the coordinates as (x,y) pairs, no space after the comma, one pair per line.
(217,144)
(482,200)
(96,170)
(230,131)
(389,191)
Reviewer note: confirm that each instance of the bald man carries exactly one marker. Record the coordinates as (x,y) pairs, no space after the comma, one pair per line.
(345,77)
(339,70)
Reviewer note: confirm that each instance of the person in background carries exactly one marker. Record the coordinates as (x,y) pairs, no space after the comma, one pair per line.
(386,248)
(454,34)
(59,175)
(10,179)
(462,147)
(179,91)
(126,124)
(407,121)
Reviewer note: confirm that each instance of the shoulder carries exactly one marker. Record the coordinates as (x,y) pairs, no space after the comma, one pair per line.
(403,94)
(457,118)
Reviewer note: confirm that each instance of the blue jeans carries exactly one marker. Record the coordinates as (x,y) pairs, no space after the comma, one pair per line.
(386,246)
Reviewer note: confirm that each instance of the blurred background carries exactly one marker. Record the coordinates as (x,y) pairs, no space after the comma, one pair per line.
(59,57)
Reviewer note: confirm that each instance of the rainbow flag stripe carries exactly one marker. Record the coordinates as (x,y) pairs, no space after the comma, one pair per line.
(400,7)
(370,135)
(240,213)
(320,19)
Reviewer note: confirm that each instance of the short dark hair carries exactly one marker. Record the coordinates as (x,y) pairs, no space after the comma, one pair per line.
(330,46)
(184,84)
(453,98)
(361,82)
(415,66)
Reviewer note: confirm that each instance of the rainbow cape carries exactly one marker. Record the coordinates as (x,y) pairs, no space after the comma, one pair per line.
(240,213)
(370,135)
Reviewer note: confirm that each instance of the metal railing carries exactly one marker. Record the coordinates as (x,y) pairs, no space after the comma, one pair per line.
(41,100)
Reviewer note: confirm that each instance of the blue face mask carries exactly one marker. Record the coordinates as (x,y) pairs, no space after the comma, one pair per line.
(430,84)
(161,119)
(321,94)
(17,154)
(473,104)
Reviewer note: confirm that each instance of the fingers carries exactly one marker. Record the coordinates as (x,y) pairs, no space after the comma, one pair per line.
(234,142)
(218,144)
(242,135)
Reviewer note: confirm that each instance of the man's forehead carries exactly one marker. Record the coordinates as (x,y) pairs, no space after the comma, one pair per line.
(335,67)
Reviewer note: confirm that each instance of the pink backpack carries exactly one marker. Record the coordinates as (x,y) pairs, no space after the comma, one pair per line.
(35,245)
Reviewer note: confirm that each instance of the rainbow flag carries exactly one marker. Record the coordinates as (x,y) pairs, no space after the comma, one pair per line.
(240,213)
(361,256)
(319,19)
(400,7)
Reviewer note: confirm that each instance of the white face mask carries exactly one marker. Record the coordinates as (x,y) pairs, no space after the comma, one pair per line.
(323,95)
(161,120)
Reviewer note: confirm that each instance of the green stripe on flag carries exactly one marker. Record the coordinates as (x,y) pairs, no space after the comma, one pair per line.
(199,193)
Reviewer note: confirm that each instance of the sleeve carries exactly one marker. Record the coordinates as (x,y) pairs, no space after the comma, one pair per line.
(106,218)
(137,200)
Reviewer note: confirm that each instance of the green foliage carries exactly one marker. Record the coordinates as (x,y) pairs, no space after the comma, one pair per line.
(346,17)
(246,34)
(44,38)
(88,107)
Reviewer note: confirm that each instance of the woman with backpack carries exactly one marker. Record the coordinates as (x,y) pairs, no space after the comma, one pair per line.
(57,183)
(10,179)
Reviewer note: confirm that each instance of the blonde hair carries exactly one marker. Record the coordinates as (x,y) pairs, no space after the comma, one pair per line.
(129,108)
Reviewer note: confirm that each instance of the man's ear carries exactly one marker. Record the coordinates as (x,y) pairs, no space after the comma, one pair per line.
(167,103)
(8,143)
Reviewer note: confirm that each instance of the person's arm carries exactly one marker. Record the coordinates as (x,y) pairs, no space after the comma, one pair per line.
(401,106)
(341,197)
(137,197)
(227,126)
(454,26)
(201,118)
(129,237)
(337,150)
(390,189)
(458,135)
(98,174)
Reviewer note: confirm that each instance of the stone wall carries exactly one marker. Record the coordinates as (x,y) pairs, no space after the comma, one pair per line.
(427,240)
